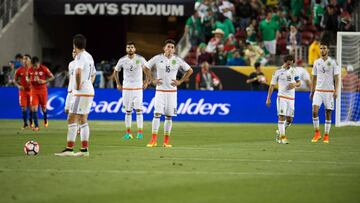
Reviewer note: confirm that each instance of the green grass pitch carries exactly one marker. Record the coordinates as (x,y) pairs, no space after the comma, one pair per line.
(210,162)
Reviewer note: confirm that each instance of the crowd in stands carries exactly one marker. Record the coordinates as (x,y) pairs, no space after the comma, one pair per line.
(243,32)
(240,33)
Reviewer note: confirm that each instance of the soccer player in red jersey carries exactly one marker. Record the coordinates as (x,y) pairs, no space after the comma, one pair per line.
(39,76)
(22,81)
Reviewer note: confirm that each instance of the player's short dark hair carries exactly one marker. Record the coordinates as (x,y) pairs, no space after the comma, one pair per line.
(130,43)
(324,43)
(35,60)
(257,65)
(79,41)
(169,41)
(289,58)
(27,55)
(18,55)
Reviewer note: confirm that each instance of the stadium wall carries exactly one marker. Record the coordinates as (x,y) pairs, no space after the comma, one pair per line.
(202,106)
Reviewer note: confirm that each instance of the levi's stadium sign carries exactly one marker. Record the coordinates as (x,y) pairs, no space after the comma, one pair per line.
(113,8)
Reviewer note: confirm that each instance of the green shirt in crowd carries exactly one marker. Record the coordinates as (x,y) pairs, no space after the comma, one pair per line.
(268,29)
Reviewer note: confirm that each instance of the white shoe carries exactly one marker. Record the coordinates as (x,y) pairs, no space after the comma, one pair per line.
(277,137)
(65,152)
(83,152)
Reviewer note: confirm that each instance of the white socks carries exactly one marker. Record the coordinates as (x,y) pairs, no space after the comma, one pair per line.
(155,125)
(167,126)
(281,126)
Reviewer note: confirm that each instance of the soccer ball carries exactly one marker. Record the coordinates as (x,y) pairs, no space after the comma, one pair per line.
(31,148)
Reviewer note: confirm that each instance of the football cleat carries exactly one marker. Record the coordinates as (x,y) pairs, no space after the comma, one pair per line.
(277,137)
(326,139)
(83,152)
(166,145)
(46,123)
(152,143)
(139,136)
(317,137)
(24,127)
(284,140)
(128,136)
(66,152)
(36,129)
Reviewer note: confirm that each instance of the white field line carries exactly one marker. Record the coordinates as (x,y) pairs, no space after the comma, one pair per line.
(168,172)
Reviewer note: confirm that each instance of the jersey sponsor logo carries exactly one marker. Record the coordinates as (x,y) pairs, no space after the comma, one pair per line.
(124,9)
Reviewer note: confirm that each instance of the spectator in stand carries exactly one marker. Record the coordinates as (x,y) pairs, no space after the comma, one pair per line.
(318,14)
(269,31)
(251,34)
(226,8)
(206,79)
(225,24)
(202,55)
(257,79)
(237,60)
(304,76)
(214,42)
(314,51)
(293,41)
(330,24)
(193,28)
(257,6)
(296,7)
(220,56)
(346,22)
(17,63)
(253,54)
(245,12)
(230,46)
(203,8)
(207,25)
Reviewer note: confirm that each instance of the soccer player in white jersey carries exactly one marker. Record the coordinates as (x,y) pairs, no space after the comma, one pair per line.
(132,88)
(324,90)
(167,66)
(83,93)
(288,79)
(71,83)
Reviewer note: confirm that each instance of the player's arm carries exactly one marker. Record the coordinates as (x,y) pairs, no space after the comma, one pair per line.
(184,77)
(117,80)
(336,78)
(78,79)
(313,85)
(17,84)
(50,77)
(146,81)
(268,98)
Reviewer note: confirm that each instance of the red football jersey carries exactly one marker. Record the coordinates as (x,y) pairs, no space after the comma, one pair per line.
(23,73)
(39,73)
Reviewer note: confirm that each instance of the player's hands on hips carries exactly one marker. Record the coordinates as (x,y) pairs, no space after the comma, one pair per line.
(311,95)
(291,86)
(145,84)
(119,87)
(20,87)
(175,83)
(157,81)
(335,95)
(41,81)
(268,102)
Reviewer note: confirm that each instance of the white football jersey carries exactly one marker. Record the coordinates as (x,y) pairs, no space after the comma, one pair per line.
(284,77)
(167,69)
(71,69)
(133,70)
(85,63)
(303,77)
(325,71)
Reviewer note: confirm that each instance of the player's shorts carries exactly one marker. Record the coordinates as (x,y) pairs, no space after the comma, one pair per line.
(166,103)
(24,98)
(285,106)
(81,104)
(270,46)
(68,100)
(132,99)
(324,97)
(39,98)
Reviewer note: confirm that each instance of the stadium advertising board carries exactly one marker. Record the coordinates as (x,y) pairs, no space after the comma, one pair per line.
(115,7)
(207,106)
